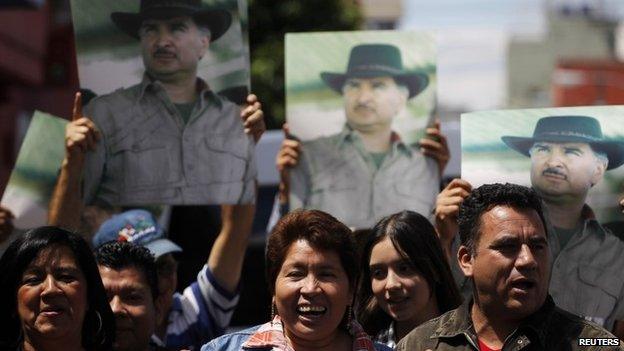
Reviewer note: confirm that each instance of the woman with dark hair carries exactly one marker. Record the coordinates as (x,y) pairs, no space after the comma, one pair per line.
(406,279)
(52,295)
(312,269)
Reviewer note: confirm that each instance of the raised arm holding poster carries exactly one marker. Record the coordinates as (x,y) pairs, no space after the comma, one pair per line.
(360,102)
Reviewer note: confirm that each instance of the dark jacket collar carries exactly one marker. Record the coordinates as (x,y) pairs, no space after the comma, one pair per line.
(459,322)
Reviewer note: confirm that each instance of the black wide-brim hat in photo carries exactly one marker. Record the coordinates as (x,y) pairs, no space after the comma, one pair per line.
(570,129)
(377,60)
(217,20)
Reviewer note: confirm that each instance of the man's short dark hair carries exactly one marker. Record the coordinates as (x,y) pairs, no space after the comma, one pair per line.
(486,197)
(118,255)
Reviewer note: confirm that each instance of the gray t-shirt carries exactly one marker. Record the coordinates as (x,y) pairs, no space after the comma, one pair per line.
(564,235)
(185,110)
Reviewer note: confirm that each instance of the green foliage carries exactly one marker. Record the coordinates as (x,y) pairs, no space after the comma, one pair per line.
(269,21)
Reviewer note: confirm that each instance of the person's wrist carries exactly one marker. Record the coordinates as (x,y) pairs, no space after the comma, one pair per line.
(446,242)
(73,162)
(445,236)
(282,197)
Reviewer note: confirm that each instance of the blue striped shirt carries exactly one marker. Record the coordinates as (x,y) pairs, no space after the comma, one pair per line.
(201,313)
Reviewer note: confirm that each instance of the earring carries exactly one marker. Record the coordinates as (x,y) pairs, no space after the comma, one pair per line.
(100,328)
(100,323)
(349,316)
(273,310)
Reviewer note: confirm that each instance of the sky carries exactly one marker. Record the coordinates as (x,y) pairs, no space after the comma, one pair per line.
(472,42)
(472,13)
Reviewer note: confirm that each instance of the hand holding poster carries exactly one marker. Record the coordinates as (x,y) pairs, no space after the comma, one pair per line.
(360,101)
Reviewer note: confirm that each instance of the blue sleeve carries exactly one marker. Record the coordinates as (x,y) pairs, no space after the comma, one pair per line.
(201,313)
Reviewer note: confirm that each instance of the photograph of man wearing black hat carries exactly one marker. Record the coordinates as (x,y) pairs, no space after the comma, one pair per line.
(169,139)
(569,155)
(366,171)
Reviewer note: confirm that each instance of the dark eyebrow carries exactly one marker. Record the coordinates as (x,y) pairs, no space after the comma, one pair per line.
(66,269)
(538,240)
(129,288)
(32,270)
(57,270)
(505,240)
(294,265)
(375,266)
(125,288)
(573,148)
(513,240)
(302,266)
(324,267)
(399,260)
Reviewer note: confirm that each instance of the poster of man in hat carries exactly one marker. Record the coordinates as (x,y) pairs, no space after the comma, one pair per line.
(360,102)
(110,58)
(527,147)
(573,157)
(164,135)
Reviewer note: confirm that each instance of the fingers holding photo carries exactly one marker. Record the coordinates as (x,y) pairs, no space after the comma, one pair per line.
(435,145)
(253,117)
(6,223)
(288,155)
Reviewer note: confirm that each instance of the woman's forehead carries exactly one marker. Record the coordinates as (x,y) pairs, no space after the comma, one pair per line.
(301,252)
(55,255)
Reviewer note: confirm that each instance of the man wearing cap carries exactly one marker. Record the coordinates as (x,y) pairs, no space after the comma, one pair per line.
(569,155)
(205,308)
(169,139)
(366,171)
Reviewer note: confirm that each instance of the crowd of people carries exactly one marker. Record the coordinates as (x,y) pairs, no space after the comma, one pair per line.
(498,267)
(391,287)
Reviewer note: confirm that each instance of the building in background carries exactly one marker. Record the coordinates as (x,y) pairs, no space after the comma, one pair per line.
(381,14)
(581,82)
(583,32)
(36,71)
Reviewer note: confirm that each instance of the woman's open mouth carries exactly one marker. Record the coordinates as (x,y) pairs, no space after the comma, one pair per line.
(311,311)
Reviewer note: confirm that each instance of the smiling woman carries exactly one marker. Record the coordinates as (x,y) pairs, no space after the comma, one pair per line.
(405,280)
(312,271)
(52,295)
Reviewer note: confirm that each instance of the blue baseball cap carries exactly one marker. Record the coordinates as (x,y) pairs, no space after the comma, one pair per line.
(138,227)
